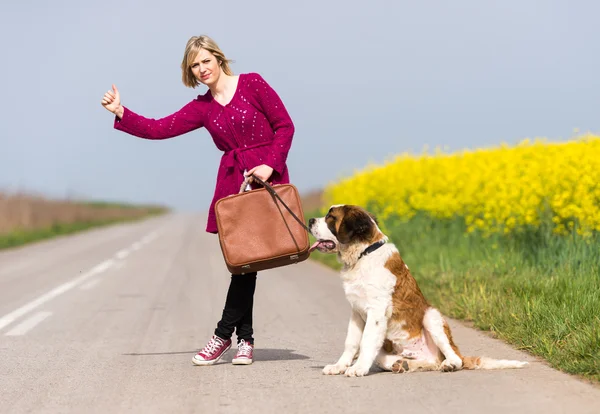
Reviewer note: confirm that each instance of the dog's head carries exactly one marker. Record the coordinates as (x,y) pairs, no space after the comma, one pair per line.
(343,225)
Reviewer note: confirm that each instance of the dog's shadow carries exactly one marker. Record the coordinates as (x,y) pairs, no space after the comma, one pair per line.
(262,354)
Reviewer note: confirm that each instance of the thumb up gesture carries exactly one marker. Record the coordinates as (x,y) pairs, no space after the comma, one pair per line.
(112,102)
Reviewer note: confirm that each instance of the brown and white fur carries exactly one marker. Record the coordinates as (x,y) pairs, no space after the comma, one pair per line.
(391,324)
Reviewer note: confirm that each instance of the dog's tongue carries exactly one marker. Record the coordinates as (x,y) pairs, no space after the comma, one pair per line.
(314,246)
(322,245)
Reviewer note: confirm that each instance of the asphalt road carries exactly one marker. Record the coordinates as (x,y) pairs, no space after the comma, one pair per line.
(107,321)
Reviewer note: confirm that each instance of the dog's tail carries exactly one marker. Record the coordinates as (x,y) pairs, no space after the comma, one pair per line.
(471,362)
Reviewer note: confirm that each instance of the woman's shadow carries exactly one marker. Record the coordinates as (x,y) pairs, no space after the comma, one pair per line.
(261,354)
(275,354)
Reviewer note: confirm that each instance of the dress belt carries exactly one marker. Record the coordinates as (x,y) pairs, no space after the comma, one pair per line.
(231,156)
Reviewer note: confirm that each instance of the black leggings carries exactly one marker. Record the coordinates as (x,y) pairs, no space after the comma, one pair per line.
(237,314)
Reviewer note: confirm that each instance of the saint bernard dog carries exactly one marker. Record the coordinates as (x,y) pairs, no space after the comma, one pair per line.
(391,323)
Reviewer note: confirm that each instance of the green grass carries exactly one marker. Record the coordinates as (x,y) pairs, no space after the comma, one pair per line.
(22,237)
(537,291)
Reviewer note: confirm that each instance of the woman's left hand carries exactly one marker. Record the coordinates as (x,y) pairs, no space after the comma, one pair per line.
(262,171)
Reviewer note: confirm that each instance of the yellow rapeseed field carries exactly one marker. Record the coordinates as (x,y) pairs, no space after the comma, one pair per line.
(495,190)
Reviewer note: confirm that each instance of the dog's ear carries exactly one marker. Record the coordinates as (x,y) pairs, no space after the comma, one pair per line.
(374,218)
(356,225)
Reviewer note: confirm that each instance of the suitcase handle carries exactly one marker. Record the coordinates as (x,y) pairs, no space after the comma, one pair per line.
(273,193)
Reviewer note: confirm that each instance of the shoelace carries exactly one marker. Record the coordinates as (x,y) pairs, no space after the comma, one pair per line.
(212,346)
(244,348)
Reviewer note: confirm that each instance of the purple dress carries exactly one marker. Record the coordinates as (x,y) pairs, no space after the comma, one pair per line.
(253,129)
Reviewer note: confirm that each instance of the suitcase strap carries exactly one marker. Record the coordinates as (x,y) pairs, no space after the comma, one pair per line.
(274,194)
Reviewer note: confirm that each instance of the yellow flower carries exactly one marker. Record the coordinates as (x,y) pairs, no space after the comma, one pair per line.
(495,190)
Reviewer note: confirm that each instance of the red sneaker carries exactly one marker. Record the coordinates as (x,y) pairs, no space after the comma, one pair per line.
(244,353)
(212,352)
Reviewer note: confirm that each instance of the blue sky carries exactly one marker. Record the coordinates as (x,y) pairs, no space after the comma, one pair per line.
(361,80)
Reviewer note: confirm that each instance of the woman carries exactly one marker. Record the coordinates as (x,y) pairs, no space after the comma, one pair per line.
(249,123)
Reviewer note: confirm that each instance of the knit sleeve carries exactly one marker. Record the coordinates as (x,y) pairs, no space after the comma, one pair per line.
(192,116)
(278,117)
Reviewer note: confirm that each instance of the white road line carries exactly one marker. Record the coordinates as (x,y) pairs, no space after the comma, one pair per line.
(28,324)
(11,317)
(103,266)
(23,310)
(148,238)
(122,254)
(90,284)
(136,246)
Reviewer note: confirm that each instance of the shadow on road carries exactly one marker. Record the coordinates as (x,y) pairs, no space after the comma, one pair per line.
(269,354)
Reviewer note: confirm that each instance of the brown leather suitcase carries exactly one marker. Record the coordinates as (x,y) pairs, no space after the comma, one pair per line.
(262,229)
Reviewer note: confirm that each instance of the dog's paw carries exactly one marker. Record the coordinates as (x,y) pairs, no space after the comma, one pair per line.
(357,371)
(334,369)
(400,366)
(451,364)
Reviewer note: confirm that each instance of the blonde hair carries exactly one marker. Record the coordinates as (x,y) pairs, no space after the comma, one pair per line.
(191,51)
